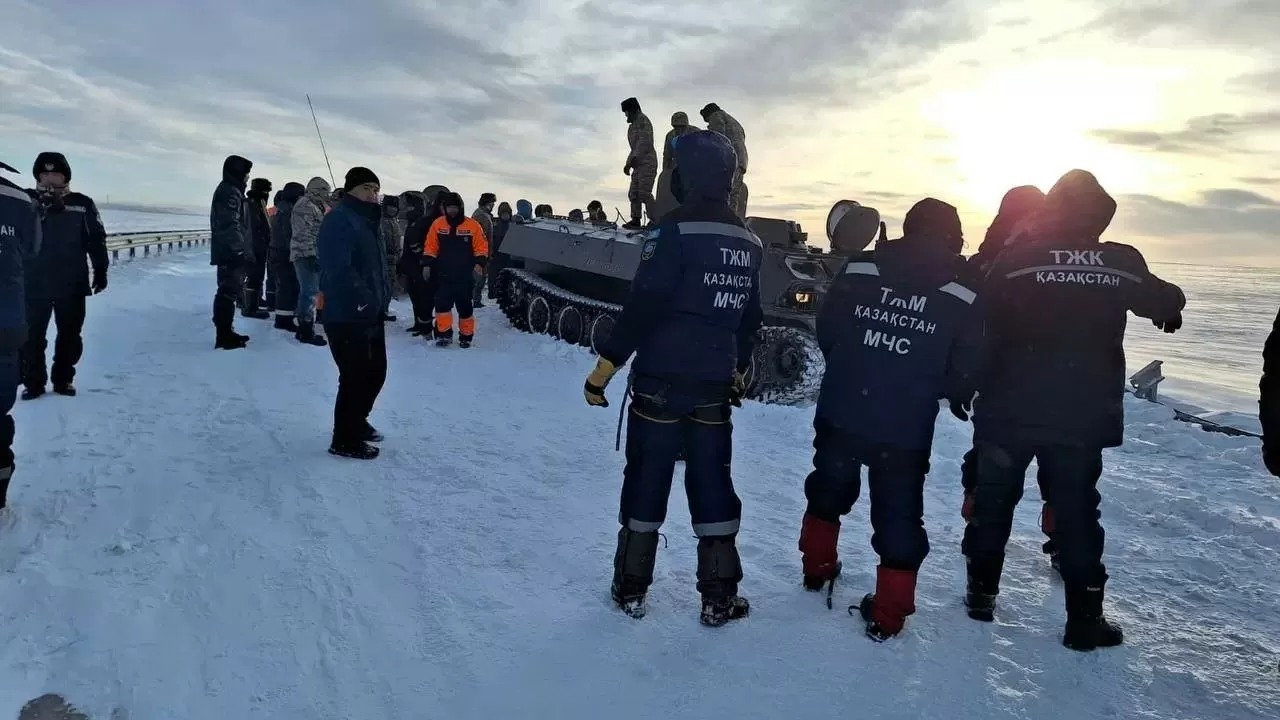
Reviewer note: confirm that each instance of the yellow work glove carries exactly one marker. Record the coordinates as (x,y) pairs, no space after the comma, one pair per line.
(597,381)
(739,388)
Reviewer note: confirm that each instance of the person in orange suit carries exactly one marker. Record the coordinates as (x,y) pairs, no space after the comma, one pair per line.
(455,254)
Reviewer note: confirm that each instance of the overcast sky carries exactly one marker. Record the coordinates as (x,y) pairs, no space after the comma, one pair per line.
(1174,104)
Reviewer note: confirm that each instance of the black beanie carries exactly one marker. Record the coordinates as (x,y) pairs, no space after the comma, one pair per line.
(359,176)
(51,162)
(630,105)
(486,198)
(260,185)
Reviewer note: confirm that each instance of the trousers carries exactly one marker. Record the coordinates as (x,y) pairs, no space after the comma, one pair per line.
(286,288)
(68,314)
(360,352)
(640,192)
(230,289)
(1071,475)
(451,293)
(9,375)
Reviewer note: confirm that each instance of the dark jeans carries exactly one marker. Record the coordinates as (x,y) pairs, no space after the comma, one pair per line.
(896,480)
(286,288)
(1071,475)
(9,368)
(68,315)
(254,276)
(652,448)
(230,288)
(421,295)
(360,352)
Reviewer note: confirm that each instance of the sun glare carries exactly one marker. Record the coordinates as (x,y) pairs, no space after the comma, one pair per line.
(1028,125)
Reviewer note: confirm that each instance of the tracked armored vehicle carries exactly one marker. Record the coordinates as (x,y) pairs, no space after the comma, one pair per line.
(568,279)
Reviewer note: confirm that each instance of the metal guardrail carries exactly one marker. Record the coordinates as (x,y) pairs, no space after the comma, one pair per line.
(128,244)
(1145,384)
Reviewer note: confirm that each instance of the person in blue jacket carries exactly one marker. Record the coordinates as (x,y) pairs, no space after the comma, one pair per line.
(690,322)
(20,235)
(354,280)
(1056,307)
(899,330)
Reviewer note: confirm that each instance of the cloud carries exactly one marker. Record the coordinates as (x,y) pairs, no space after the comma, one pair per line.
(1223,225)
(1222,132)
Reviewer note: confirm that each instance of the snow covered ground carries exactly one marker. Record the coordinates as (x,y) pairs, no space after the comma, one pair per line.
(179,545)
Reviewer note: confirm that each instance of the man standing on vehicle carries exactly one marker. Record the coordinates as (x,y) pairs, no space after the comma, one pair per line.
(642,162)
(690,322)
(19,242)
(58,278)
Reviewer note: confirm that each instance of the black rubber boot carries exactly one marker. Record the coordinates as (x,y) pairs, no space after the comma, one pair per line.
(286,323)
(252,307)
(633,564)
(307,335)
(719,572)
(1087,628)
(66,388)
(981,589)
(230,340)
(31,393)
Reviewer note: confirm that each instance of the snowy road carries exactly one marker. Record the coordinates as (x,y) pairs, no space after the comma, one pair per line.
(179,545)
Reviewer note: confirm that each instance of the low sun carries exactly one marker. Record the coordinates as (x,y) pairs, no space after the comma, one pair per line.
(1029,125)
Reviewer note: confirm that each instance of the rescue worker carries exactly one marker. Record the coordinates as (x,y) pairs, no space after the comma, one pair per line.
(679,127)
(230,249)
(1269,400)
(354,280)
(642,162)
(308,212)
(898,331)
(690,321)
(260,235)
(421,292)
(281,240)
(20,234)
(57,278)
(722,122)
(596,214)
(543,211)
(498,260)
(392,240)
(484,215)
(1053,391)
(455,254)
(1012,223)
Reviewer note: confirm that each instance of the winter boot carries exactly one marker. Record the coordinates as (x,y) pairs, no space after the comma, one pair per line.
(388,317)
(719,572)
(1047,527)
(633,564)
(252,307)
(31,393)
(354,449)
(6,474)
(443,339)
(65,388)
(981,588)
(307,335)
(286,322)
(819,557)
(886,610)
(633,224)
(1087,628)
(230,340)
(369,433)
(420,328)
(464,341)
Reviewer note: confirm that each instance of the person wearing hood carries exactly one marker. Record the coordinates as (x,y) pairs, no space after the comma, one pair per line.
(355,283)
(679,127)
(690,321)
(260,237)
(524,211)
(898,330)
(308,213)
(642,162)
(421,290)
(1269,400)
(1052,391)
(484,215)
(230,249)
(20,240)
(498,260)
(393,239)
(1012,224)
(57,278)
(286,300)
(596,214)
(722,122)
(453,260)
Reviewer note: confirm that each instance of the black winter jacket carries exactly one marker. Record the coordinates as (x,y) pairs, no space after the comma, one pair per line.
(230,241)
(72,229)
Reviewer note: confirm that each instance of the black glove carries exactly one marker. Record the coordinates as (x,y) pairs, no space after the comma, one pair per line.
(1172,325)
(961,407)
(1271,457)
(99,281)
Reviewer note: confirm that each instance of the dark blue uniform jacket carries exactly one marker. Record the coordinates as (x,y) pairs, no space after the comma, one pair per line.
(20,240)
(71,230)
(899,329)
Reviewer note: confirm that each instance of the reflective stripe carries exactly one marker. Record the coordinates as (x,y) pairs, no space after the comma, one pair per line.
(284,313)
(718,228)
(716,529)
(77,208)
(861,268)
(639,525)
(1074,268)
(959,291)
(6,472)
(15,193)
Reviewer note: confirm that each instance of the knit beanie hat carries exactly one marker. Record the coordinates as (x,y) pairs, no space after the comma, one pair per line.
(357,176)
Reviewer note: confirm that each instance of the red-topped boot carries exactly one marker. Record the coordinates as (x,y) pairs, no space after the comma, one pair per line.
(819,557)
(886,610)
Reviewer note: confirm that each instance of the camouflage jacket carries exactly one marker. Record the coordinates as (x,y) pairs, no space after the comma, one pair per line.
(668,159)
(308,213)
(640,140)
(392,236)
(724,123)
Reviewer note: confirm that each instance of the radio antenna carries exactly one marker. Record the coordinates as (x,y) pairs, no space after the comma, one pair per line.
(322,148)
